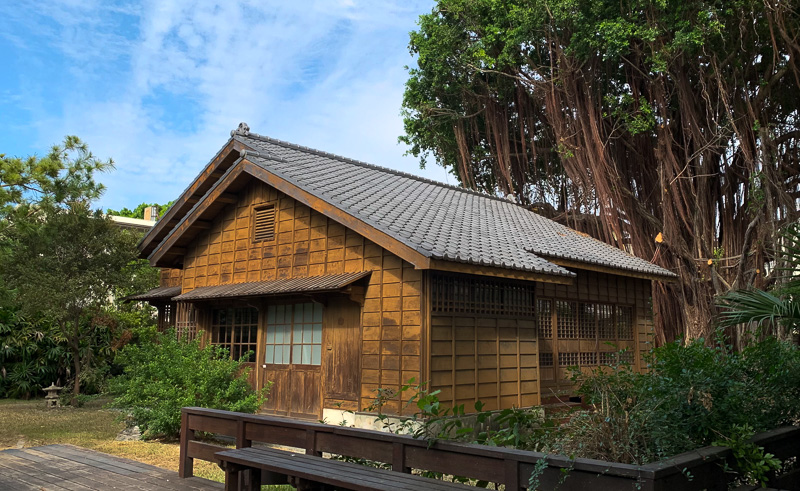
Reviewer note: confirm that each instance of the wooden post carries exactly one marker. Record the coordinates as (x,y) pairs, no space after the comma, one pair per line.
(399,458)
(232,477)
(185,463)
(311,443)
(241,441)
(512,475)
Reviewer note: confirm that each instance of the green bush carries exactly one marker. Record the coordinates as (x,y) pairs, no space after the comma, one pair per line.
(692,395)
(31,356)
(162,374)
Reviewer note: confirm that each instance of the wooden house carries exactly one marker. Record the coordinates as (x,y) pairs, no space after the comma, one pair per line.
(341,278)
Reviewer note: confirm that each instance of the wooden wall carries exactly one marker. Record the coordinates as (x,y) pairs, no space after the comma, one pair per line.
(170,277)
(488,358)
(601,288)
(310,244)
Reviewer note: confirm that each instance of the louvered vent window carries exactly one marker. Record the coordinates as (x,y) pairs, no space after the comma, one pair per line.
(264,224)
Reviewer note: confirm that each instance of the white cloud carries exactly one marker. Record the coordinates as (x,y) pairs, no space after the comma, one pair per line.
(323,74)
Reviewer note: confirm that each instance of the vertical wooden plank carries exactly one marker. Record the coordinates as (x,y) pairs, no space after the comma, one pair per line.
(512,475)
(311,443)
(241,441)
(399,458)
(186,463)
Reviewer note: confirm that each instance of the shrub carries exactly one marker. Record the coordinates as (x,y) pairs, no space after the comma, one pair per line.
(693,395)
(31,356)
(162,374)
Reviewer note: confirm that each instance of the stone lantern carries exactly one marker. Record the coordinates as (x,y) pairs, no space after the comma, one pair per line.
(51,399)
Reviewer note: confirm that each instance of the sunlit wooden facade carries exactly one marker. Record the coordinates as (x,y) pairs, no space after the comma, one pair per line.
(472,332)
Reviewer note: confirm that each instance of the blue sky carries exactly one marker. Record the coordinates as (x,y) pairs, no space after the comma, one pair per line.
(157,86)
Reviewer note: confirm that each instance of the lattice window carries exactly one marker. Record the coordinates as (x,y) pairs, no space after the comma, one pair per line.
(546,360)
(587,321)
(625,322)
(588,358)
(616,357)
(236,329)
(457,294)
(605,322)
(567,322)
(608,358)
(568,359)
(186,321)
(544,318)
(294,334)
(166,316)
(264,224)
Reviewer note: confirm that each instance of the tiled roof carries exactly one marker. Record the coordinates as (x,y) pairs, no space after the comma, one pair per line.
(439,221)
(159,293)
(325,283)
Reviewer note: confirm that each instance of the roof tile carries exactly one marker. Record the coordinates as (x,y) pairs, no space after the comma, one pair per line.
(441,221)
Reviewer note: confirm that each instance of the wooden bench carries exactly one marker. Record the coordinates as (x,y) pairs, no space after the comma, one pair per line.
(309,472)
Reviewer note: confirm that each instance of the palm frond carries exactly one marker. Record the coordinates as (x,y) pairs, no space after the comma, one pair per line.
(758,306)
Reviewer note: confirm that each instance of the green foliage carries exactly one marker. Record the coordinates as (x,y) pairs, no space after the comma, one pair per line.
(61,262)
(64,175)
(776,311)
(692,394)
(752,462)
(138,212)
(30,356)
(162,374)
(431,420)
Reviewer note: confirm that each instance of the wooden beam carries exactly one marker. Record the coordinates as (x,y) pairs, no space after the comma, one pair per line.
(228,198)
(202,224)
(455,267)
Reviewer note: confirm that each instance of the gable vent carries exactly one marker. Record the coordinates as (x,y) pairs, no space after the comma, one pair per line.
(264,225)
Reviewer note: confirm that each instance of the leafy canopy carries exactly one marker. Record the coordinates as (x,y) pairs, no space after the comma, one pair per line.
(628,120)
(61,261)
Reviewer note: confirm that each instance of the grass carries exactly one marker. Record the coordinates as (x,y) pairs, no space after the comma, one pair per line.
(30,424)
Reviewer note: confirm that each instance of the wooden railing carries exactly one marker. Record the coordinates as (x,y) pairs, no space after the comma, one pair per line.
(696,470)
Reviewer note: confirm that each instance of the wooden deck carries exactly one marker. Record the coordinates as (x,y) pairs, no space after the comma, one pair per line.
(57,467)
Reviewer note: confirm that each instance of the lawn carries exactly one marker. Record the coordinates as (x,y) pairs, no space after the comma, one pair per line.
(29,424)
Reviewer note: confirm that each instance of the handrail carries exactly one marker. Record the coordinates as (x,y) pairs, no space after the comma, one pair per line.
(695,470)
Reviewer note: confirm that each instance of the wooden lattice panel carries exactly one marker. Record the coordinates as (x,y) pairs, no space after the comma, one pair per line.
(236,329)
(587,320)
(566,320)
(460,294)
(605,322)
(186,321)
(544,318)
(625,322)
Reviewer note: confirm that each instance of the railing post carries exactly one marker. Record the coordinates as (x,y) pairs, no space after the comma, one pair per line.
(186,463)
(241,440)
(311,443)
(399,458)
(512,474)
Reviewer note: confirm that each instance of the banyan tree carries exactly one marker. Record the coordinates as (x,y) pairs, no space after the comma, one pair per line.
(666,127)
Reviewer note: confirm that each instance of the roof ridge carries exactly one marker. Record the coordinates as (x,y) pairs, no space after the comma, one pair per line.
(376,167)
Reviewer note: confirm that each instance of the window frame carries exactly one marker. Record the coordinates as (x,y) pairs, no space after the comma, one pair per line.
(235,344)
(288,325)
